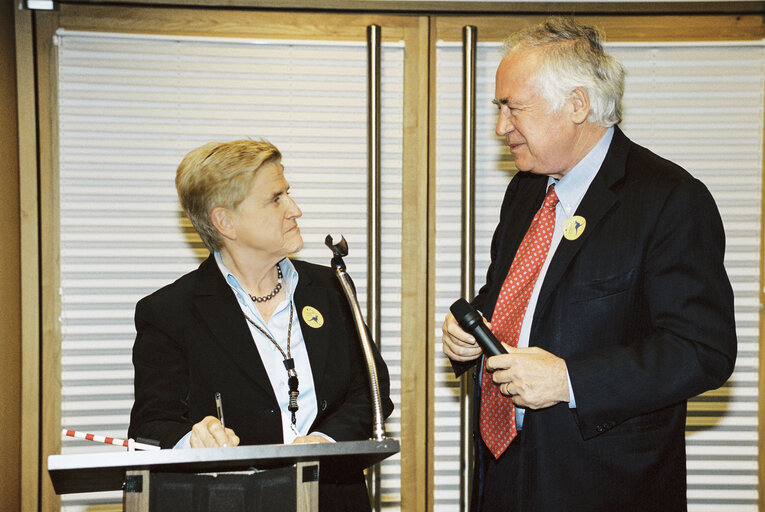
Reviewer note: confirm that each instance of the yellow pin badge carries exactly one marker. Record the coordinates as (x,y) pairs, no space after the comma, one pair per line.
(312,317)
(574,227)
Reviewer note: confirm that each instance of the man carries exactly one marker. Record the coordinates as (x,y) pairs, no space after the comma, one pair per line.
(614,292)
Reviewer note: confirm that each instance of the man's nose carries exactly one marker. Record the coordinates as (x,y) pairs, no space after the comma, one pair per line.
(504,126)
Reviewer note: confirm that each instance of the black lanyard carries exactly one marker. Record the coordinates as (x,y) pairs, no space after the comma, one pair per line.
(289,364)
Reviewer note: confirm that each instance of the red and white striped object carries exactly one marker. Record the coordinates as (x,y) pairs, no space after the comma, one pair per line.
(129,444)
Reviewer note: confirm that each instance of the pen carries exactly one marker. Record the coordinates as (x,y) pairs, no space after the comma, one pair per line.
(219,408)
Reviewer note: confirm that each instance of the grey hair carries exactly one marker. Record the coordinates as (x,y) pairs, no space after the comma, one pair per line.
(572,56)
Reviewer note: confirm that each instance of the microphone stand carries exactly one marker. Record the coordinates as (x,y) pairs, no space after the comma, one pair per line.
(339,250)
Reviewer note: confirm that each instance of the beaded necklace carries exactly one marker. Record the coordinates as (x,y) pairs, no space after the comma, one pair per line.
(271,295)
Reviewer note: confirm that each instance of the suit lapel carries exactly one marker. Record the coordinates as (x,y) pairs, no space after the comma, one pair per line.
(317,339)
(597,201)
(218,308)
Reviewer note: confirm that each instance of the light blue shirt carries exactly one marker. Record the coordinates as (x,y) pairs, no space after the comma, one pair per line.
(570,190)
(272,359)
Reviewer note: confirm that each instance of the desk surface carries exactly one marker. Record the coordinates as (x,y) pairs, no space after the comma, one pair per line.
(74,473)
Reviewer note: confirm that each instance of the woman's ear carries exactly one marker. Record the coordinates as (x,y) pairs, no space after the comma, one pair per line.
(580,102)
(222,221)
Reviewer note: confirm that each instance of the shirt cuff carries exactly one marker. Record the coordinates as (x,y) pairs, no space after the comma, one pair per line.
(184,442)
(571,399)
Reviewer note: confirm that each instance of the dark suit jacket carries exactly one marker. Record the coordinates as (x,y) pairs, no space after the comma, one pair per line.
(641,309)
(193,340)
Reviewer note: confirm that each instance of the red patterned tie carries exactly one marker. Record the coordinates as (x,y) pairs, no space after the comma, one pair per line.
(497,418)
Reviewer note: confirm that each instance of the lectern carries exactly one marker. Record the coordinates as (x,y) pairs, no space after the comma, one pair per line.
(246,478)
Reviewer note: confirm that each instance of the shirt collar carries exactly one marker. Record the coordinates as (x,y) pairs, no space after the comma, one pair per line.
(288,271)
(571,188)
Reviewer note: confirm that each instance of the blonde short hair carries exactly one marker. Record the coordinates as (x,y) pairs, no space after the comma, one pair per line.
(572,56)
(219,174)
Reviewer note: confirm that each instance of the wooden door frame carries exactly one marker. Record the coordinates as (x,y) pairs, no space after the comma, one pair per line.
(632,27)
(45,419)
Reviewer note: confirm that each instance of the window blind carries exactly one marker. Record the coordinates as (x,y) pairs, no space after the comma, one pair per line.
(680,101)
(130,107)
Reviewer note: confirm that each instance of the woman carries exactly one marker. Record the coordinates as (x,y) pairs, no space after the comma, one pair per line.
(273,336)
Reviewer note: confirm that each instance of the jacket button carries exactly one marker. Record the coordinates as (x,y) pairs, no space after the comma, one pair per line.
(323,405)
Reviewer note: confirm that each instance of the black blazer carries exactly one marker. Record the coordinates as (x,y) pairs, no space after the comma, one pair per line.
(641,308)
(193,340)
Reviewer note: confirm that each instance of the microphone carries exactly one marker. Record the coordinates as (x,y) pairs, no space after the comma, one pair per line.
(472,323)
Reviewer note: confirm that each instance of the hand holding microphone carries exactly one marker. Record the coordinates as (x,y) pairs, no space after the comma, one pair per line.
(533,377)
(472,323)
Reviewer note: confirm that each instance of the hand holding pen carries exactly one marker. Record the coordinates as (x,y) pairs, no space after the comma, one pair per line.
(211,432)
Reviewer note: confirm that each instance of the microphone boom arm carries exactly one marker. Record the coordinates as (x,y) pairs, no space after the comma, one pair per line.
(339,250)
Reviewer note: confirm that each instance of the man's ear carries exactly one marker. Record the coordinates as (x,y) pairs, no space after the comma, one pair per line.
(580,102)
(221,220)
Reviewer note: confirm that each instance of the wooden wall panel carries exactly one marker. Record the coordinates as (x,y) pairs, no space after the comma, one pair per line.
(10,305)
(628,28)
(230,23)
